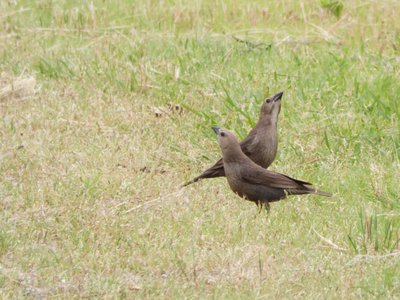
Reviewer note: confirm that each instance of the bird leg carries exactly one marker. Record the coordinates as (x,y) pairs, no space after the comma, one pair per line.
(267,207)
(261,205)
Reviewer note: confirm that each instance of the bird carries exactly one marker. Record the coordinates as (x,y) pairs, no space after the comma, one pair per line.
(252,182)
(261,144)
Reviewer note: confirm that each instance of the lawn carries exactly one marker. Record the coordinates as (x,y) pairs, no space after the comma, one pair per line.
(106,110)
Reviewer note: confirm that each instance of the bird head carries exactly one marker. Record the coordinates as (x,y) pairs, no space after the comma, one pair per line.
(271,107)
(226,139)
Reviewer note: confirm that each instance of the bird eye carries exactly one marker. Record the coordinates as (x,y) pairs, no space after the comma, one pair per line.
(268,100)
(222,133)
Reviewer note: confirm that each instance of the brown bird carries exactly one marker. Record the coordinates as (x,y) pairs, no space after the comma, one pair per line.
(252,182)
(260,145)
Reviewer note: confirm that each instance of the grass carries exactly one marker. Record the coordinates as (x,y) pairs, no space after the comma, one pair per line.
(92,154)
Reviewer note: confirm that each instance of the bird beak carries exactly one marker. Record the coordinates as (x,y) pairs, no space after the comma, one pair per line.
(216,129)
(277,97)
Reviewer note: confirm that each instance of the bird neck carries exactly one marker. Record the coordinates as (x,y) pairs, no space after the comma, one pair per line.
(266,122)
(233,154)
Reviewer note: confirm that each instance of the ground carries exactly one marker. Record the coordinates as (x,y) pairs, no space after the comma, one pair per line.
(106,109)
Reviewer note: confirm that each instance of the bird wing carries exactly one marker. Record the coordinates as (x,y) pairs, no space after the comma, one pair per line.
(260,176)
(298,180)
(247,143)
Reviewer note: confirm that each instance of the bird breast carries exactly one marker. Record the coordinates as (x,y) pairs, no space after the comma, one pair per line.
(265,149)
(232,173)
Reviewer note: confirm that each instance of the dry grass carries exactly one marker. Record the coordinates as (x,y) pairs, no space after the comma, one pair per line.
(106,110)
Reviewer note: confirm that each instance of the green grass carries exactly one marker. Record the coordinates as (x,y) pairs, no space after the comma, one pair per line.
(90,176)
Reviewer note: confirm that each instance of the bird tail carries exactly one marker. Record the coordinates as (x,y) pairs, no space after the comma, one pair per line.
(202,176)
(307,190)
(192,181)
(214,171)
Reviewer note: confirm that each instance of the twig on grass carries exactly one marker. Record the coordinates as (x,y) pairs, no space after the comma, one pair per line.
(251,44)
(329,242)
(151,202)
(16,12)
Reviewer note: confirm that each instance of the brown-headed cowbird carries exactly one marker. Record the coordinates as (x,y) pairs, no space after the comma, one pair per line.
(260,145)
(252,182)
